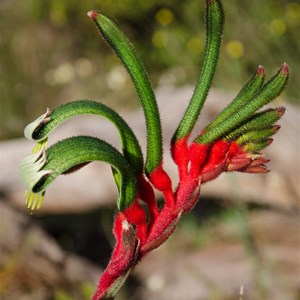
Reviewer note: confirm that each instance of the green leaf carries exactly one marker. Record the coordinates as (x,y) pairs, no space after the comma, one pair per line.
(126,52)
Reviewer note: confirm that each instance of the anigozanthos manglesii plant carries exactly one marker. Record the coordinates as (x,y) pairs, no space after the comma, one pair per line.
(231,142)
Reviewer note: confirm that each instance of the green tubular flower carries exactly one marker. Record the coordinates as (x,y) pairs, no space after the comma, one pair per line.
(268,92)
(126,52)
(256,147)
(259,121)
(40,169)
(256,136)
(247,92)
(214,28)
(40,129)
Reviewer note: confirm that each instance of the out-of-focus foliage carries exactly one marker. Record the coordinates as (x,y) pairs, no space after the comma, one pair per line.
(50,52)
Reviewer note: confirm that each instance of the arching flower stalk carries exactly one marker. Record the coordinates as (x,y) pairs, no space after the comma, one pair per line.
(231,142)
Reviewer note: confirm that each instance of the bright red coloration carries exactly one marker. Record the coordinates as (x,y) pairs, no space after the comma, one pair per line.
(198,155)
(261,70)
(136,215)
(231,143)
(124,257)
(136,234)
(180,155)
(148,196)
(160,179)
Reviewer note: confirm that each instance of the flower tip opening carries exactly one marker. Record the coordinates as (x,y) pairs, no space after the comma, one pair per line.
(269,141)
(276,128)
(32,129)
(92,14)
(284,69)
(280,111)
(260,70)
(41,145)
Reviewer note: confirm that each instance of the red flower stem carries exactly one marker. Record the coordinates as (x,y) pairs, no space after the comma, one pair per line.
(198,156)
(180,154)
(146,194)
(122,261)
(169,198)
(162,182)
(185,190)
(136,215)
(161,230)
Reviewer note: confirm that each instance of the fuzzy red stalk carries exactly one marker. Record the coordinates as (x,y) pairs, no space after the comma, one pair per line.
(140,229)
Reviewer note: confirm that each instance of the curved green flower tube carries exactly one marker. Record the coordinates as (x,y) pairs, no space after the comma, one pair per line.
(214,28)
(115,37)
(247,93)
(40,169)
(40,129)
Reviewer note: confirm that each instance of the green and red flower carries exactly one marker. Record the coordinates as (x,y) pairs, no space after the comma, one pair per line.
(231,142)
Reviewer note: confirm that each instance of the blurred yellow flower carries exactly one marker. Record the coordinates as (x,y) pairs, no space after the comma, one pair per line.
(277,27)
(293,13)
(164,16)
(196,45)
(160,39)
(235,49)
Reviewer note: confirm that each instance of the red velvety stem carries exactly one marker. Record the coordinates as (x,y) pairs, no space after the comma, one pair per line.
(161,181)
(192,199)
(185,189)
(123,259)
(217,154)
(136,215)
(180,155)
(213,172)
(216,161)
(146,193)
(198,154)
(162,229)
(235,150)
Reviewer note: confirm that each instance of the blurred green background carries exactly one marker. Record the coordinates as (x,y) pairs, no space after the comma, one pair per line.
(51,53)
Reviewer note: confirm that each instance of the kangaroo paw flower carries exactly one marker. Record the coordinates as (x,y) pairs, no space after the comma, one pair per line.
(233,141)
